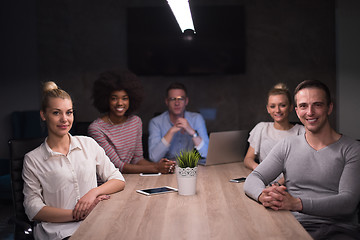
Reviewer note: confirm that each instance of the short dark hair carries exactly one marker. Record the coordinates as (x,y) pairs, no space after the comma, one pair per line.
(313,84)
(111,81)
(176,85)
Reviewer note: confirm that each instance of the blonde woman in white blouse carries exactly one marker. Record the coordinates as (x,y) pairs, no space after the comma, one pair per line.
(60,183)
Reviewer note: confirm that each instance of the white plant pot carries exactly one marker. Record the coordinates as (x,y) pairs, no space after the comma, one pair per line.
(186,178)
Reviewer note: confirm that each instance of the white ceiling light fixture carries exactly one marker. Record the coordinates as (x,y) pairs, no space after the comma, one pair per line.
(182,13)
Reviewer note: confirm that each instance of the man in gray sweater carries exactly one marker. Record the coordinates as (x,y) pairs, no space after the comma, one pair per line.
(321,170)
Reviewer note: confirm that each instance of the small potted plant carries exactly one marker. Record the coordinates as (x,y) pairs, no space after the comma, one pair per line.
(186,171)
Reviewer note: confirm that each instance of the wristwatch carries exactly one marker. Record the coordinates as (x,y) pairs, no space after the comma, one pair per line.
(196,134)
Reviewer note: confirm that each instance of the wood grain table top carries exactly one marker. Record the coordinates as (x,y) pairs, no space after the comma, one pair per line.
(219,210)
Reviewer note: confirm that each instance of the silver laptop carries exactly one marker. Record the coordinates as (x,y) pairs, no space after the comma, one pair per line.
(227,147)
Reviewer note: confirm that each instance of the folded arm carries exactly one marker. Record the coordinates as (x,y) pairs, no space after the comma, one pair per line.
(249,160)
(157,146)
(144,166)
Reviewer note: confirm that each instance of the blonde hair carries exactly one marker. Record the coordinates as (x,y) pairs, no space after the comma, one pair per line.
(279,89)
(51,90)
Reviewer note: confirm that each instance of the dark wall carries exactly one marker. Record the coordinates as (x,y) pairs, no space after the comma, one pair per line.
(19,81)
(287,41)
(348,67)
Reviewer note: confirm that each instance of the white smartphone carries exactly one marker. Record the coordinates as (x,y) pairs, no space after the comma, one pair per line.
(150,174)
(158,190)
(238,180)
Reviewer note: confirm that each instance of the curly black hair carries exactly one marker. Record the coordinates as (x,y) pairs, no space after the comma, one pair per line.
(111,81)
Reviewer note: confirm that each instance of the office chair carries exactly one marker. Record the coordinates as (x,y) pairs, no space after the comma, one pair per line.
(18,149)
(27,124)
(80,128)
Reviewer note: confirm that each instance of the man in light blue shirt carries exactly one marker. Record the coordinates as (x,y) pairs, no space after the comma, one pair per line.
(176,129)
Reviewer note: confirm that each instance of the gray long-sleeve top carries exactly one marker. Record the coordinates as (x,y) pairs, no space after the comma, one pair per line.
(327,181)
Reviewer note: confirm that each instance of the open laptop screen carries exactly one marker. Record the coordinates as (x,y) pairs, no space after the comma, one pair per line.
(227,147)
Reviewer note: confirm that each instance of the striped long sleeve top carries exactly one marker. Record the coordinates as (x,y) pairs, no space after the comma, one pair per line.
(122,143)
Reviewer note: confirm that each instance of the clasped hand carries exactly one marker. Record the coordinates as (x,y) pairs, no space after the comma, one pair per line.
(183,124)
(277,198)
(86,204)
(166,166)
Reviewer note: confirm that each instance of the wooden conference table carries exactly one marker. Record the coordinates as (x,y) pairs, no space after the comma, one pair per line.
(219,210)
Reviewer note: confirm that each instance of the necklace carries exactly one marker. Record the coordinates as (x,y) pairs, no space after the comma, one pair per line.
(111,122)
(121,128)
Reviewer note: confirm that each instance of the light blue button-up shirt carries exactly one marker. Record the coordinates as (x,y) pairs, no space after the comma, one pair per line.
(161,124)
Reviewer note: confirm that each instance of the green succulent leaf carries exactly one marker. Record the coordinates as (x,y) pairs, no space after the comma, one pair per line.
(188,158)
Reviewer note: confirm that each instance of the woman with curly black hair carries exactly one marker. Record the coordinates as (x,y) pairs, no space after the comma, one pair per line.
(117,95)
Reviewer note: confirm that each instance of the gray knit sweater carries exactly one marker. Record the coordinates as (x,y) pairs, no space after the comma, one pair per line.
(327,181)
